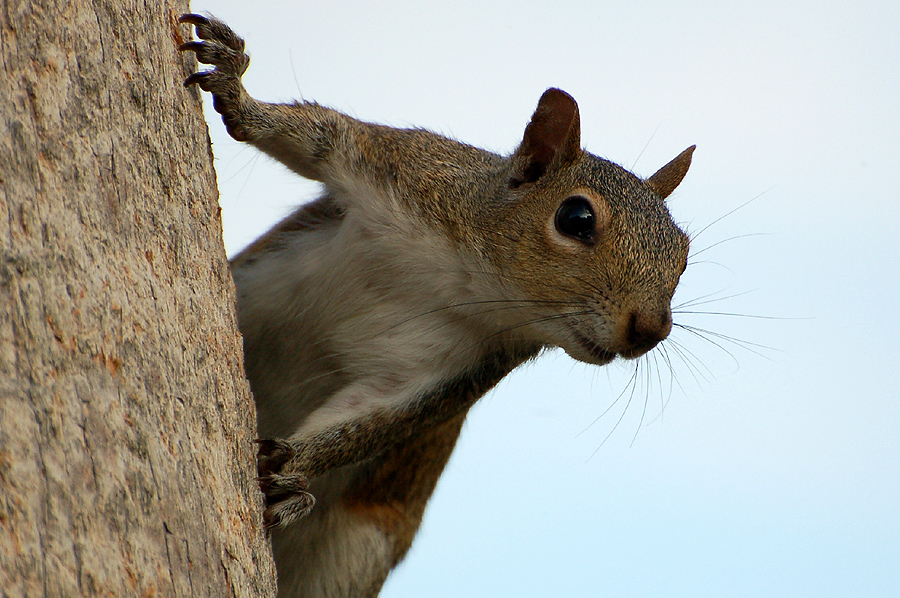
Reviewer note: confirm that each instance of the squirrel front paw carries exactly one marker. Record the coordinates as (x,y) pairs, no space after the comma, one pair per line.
(224,49)
(287,494)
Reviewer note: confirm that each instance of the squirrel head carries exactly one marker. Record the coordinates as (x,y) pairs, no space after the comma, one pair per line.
(589,248)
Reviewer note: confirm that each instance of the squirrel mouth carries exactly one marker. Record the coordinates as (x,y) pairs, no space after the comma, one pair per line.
(600,355)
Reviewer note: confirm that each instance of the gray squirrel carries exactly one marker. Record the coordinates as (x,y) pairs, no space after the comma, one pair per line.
(375,316)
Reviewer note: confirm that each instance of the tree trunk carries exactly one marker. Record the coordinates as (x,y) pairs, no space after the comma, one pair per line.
(126,424)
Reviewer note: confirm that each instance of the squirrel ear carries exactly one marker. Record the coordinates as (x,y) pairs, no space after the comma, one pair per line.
(552,138)
(664,181)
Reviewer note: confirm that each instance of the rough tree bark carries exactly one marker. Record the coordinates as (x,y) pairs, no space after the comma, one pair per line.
(126,425)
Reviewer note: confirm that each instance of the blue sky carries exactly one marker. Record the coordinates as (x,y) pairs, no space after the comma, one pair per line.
(770,472)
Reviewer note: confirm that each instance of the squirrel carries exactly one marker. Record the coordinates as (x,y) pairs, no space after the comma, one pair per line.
(375,316)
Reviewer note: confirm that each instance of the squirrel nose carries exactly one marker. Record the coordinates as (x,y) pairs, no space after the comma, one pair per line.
(646,329)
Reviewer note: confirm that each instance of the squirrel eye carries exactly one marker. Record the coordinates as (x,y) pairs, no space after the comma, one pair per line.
(575,218)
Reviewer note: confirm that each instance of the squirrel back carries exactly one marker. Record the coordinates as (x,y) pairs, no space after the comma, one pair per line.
(374,317)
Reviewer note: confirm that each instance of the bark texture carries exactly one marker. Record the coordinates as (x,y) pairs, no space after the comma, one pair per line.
(127,466)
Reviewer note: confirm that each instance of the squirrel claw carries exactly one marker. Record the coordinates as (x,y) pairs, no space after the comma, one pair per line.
(287,494)
(195,78)
(279,485)
(211,28)
(287,498)
(224,50)
(191,45)
(286,512)
(272,454)
(193,19)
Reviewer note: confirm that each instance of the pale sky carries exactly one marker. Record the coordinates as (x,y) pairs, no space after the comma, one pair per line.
(773,471)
